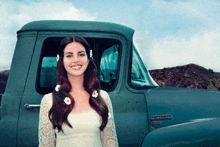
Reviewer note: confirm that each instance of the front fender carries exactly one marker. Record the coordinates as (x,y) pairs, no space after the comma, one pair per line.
(196,133)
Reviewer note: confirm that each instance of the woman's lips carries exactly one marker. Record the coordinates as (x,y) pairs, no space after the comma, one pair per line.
(76,67)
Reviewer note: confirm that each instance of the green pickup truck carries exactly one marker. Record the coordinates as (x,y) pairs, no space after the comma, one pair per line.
(145,114)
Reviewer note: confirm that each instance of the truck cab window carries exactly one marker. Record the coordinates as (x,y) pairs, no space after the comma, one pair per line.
(105,55)
(48,74)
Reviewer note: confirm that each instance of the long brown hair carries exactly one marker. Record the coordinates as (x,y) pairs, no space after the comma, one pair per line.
(59,110)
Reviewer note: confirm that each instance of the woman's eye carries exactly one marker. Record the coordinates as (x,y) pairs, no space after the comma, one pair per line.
(82,54)
(68,56)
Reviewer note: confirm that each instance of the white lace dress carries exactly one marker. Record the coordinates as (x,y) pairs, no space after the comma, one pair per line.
(85,131)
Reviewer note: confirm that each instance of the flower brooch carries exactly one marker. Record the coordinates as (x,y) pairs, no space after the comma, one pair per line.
(95,94)
(67,100)
(90,54)
(58,57)
(57,88)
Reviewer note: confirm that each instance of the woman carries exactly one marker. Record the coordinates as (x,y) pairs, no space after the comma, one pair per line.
(77,113)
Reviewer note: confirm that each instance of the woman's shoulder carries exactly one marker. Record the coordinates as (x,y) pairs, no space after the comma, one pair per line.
(104,94)
(47,98)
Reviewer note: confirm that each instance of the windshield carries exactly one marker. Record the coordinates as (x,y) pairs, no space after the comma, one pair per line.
(140,77)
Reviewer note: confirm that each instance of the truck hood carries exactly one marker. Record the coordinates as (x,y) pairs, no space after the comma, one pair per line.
(170,106)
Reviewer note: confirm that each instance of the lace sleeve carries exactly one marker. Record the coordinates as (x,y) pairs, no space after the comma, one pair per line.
(46,132)
(108,135)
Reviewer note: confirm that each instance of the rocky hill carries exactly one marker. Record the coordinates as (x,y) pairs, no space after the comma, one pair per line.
(188,76)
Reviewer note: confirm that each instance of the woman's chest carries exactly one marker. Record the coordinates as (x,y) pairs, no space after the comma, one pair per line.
(87,122)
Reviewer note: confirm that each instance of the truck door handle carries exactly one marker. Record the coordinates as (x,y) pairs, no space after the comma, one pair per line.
(31,106)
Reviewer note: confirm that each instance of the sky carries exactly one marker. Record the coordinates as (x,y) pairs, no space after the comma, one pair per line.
(168,33)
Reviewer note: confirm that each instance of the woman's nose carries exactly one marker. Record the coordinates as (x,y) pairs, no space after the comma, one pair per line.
(75,59)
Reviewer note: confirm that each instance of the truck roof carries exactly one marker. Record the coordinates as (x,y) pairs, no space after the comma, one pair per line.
(68,25)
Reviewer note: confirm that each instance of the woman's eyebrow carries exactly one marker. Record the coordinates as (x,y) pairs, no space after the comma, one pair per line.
(81,52)
(68,53)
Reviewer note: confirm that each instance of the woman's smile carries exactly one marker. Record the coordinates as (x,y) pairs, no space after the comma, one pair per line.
(76,67)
